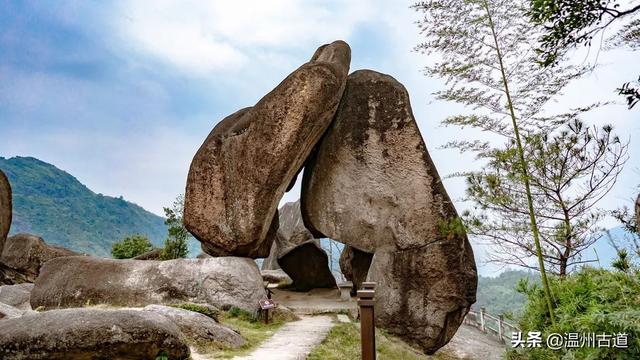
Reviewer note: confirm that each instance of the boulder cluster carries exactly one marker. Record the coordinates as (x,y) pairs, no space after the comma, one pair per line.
(92,308)
(367,181)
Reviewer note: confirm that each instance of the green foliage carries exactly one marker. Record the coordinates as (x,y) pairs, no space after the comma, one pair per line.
(53,204)
(570,169)
(236,312)
(589,301)
(622,263)
(499,295)
(162,356)
(568,24)
(452,228)
(175,245)
(131,246)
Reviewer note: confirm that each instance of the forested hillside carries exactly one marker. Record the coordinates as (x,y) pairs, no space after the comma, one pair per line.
(53,204)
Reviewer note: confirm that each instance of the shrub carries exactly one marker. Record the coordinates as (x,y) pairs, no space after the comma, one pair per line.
(131,246)
(587,302)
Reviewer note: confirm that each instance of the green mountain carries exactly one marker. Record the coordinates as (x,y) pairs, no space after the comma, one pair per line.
(498,294)
(54,205)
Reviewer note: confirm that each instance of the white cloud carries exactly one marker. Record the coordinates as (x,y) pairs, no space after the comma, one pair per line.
(200,37)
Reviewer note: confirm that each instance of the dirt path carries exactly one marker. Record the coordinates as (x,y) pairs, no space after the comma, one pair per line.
(294,340)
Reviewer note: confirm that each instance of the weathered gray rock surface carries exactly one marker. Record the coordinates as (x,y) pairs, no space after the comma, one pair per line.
(5,208)
(91,334)
(223,282)
(24,254)
(354,265)
(248,161)
(298,253)
(16,295)
(9,312)
(198,327)
(271,261)
(372,185)
(276,276)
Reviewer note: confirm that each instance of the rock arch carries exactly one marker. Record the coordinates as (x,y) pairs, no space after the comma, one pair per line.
(368,182)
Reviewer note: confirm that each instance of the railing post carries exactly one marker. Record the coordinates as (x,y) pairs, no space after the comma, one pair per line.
(501,328)
(482,321)
(366,302)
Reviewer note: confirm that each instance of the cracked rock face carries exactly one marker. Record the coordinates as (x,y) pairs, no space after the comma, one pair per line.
(5,208)
(371,184)
(249,160)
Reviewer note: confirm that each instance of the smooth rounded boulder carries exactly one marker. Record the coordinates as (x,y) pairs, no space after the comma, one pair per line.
(198,328)
(371,184)
(23,256)
(76,281)
(5,208)
(91,334)
(248,161)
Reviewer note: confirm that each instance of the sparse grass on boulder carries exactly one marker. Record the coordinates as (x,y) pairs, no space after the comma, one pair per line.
(204,309)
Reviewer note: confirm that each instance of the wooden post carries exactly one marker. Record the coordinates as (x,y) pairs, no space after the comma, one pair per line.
(368,285)
(501,328)
(366,302)
(482,321)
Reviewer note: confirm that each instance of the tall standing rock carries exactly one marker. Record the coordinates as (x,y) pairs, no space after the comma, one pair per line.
(5,208)
(247,162)
(372,185)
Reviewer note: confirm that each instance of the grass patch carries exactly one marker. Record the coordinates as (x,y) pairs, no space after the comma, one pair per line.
(206,310)
(251,328)
(343,343)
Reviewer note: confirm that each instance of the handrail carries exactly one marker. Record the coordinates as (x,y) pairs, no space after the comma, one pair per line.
(482,320)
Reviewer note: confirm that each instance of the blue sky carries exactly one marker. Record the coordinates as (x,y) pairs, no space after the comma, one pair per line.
(121,94)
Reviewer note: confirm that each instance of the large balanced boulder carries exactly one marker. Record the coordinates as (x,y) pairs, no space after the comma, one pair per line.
(372,185)
(91,334)
(5,208)
(248,161)
(23,255)
(76,281)
(354,265)
(299,254)
(198,328)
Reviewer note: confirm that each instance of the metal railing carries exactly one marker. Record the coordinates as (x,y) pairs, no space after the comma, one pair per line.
(490,324)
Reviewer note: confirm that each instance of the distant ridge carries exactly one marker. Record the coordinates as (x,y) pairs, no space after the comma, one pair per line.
(53,204)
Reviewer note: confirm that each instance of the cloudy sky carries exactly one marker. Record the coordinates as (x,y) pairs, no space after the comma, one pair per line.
(121,94)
